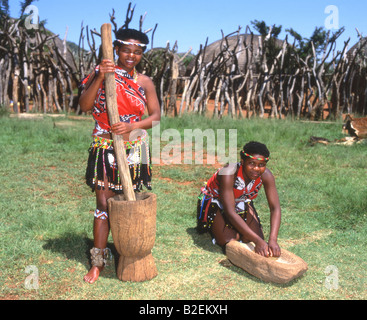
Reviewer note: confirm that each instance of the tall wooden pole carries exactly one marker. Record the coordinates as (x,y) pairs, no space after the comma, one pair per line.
(111,100)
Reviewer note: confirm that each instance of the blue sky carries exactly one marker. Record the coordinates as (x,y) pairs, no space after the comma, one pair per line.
(190,22)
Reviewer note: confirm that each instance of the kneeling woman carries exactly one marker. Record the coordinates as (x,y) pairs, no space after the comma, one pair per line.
(226,208)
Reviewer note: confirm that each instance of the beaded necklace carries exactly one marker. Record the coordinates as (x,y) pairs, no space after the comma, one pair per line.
(134,74)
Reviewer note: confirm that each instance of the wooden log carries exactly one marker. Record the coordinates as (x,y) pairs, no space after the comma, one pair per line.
(133,228)
(283,269)
(111,101)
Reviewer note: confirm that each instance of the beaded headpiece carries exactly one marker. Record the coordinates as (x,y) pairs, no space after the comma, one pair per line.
(132,43)
(244,154)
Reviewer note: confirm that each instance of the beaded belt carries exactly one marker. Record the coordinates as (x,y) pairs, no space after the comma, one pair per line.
(104,143)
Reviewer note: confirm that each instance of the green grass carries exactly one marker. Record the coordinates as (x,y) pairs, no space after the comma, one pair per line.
(47,215)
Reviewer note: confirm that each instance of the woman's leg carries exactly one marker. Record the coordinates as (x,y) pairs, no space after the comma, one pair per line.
(221,232)
(101,229)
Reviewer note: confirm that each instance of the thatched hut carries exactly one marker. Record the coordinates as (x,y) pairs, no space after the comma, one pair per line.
(243,47)
(360,48)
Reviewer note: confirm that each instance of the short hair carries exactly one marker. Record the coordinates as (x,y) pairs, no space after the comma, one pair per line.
(255,147)
(126,34)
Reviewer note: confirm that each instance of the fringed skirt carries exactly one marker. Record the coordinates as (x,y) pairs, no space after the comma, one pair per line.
(102,163)
(208,207)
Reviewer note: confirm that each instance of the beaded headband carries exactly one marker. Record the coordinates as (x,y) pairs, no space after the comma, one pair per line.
(132,43)
(254,158)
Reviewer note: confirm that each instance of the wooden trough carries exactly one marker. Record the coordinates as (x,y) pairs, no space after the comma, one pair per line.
(283,269)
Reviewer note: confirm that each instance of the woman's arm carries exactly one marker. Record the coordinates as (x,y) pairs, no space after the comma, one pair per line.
(87,98)
(227,198)
(275,211)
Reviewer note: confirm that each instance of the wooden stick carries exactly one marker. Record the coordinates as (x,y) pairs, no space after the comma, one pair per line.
(111,100)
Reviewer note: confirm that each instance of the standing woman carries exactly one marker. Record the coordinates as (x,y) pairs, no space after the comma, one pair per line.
(135,94)
(225,206)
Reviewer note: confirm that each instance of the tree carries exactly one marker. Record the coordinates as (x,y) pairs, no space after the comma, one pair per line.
(24,5)
(4,8)
(264,29)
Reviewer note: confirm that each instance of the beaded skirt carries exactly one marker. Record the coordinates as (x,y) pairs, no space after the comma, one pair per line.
(102,164)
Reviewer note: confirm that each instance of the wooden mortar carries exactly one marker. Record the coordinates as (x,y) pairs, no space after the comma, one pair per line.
(133,227)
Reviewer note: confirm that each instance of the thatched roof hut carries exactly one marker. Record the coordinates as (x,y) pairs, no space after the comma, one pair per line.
(243,46)
(357,46)
(69,57)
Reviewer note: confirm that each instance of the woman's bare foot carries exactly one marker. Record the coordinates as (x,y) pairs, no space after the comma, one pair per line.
(93,274)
